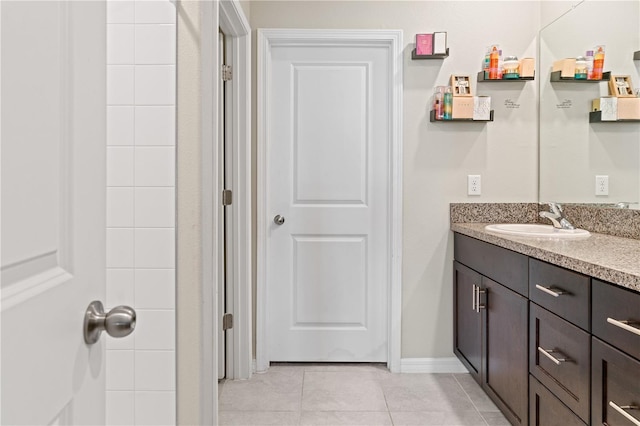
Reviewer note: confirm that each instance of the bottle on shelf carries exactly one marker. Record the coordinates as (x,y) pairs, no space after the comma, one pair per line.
(500,65)
(581,68)
(598,62)
(448,103)
(494,58)
(486,62)
(589,57)
(438,102)
(511,68)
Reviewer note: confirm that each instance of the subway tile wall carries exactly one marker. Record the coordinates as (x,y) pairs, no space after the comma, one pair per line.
(141,52)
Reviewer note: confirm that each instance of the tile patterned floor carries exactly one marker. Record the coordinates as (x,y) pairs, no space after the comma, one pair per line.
(362,395)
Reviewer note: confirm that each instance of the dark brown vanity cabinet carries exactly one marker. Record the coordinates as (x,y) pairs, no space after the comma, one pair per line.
(548,345)
(490,330)
(615,351)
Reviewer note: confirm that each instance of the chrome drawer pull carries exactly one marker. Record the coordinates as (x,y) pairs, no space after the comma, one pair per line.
(478,305)
(621,410)
(555,292)
(473,294)
(625,325)
(548,352)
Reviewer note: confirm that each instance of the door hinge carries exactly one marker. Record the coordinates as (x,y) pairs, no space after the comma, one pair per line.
(227,322)
(227,197)
(227,72)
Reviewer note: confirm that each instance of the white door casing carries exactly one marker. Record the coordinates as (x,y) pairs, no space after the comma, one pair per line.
(53,210)
(329,151)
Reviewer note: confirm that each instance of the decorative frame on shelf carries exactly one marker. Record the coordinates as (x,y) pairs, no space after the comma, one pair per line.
(636,55)
(461,85)
(620,86)
(555,77)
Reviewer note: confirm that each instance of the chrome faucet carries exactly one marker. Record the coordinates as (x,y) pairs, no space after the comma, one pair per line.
(557,217)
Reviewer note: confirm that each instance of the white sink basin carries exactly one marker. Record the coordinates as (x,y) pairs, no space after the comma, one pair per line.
(536,230)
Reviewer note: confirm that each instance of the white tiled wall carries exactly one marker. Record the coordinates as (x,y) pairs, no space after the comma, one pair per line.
(141,43)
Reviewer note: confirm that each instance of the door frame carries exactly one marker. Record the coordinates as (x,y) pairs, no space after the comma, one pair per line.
(392,39)
(237,30)
(197,193)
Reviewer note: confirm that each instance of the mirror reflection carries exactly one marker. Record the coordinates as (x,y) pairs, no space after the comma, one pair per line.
(579,158)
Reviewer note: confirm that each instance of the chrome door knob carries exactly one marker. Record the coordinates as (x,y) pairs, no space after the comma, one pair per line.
(278,220)
(118,322)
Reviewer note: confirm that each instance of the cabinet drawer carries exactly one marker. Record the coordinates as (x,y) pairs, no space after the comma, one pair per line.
(563,292)
(616,317)
(615,386)
(559,358)
(501,265)
(545,409)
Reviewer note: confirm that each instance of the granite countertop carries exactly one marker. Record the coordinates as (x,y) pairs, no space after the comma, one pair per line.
(612,259)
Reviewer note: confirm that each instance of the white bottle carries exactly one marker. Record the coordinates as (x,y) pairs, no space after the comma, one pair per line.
(589,57)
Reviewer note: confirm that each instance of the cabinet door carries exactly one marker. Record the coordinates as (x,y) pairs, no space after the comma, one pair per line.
(467,332)
(615,386)
(547,410)
(505,370)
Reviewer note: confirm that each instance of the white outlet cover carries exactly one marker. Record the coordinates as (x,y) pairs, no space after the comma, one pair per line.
(474,185)
(602,185)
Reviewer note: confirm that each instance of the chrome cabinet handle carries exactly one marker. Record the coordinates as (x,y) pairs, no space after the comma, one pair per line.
(473,296)
(278,220)
(548,352)
(555,292)
(118,322)
(478,305)
(625,325)
(621,409)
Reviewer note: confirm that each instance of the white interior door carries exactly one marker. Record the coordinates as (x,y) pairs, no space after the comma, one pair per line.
(53,210)
(328,177)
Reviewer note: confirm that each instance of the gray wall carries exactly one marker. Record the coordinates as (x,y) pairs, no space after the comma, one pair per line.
(439,156)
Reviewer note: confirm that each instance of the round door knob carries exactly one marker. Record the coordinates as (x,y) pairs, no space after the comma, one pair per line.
(118,322)
(278,220)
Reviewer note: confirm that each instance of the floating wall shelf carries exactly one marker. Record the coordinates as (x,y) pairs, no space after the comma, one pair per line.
(432,118)
(636,56)
(502,80)
(555,77)
(596,117)
(415,56)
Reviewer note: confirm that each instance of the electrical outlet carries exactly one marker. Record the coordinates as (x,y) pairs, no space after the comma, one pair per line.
(474,185)
(602,185)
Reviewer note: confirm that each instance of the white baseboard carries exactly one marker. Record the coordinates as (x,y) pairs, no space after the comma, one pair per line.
(432,365)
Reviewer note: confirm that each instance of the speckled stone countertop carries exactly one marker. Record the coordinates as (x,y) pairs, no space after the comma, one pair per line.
(609,258)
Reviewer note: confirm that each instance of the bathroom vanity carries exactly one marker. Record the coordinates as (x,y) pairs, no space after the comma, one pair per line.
(552,333)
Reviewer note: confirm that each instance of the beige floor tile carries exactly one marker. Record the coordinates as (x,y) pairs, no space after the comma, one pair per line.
(479,398)
(341,381)
(346,418)
(257,396)
(415,399)
(494,418)
(256,418)
(438,418)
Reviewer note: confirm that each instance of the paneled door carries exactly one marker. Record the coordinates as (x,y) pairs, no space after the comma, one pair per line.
(53,210)
(328,200)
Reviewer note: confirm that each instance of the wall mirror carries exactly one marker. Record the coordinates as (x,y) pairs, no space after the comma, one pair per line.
(574,151)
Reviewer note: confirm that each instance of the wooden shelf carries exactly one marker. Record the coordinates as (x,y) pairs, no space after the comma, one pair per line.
(636,55)
(415,56)
(596,117)
(432,118)
(502,80)
(555,77)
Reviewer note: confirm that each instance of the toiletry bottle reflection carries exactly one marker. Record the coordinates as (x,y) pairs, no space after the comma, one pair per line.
(448,103)
(598,63)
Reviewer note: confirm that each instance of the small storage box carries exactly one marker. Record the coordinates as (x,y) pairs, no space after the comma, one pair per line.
(567,67)
(462,107)
(628,108)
